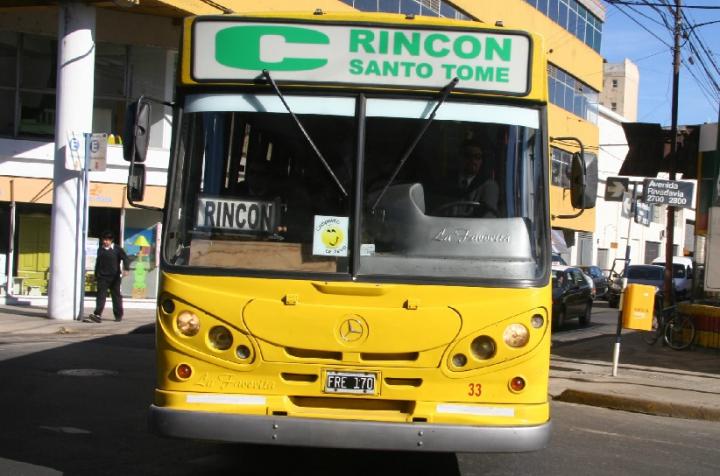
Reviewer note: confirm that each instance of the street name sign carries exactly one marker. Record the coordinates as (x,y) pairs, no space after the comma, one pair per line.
(643,213)
(615,187)
(668,192)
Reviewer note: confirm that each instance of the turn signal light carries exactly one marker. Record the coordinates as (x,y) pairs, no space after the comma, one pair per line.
(517,384)
(183,371)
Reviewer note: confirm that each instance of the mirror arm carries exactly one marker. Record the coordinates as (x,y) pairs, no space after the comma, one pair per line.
(157,101)
(568,217)
(572,139)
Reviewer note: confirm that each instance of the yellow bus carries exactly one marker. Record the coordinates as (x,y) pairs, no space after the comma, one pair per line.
(331,276)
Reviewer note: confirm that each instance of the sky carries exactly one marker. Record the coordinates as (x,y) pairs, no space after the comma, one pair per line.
(623,38)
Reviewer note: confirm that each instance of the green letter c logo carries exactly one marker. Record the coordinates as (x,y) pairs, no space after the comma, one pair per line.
(239,47)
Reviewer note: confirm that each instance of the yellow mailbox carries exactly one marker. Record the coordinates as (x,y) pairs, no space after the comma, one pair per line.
(638,304)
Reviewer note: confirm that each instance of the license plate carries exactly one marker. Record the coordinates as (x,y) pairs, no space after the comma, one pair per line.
(363,383)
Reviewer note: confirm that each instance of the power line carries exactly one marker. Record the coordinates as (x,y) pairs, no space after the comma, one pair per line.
(637,60)
(704,78)
(641,4)
(641,25)
(639,12)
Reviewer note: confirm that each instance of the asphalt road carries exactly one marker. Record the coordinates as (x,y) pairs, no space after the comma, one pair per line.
(603,322)
(80,408)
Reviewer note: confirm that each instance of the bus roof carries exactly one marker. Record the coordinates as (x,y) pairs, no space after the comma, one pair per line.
(368,51)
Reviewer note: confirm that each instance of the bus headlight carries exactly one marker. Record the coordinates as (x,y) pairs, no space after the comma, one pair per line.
(516,335)
(188,324)
(242,352)
(220,338)
(459,360)
(483,347)
(537,321)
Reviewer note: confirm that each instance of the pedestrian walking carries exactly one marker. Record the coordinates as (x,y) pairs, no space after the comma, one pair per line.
(108,276)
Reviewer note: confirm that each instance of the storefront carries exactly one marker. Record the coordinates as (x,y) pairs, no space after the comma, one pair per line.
(25,234)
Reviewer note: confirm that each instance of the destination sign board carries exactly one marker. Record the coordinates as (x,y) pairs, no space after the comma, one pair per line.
(668,192)
(483,59)
(253,216)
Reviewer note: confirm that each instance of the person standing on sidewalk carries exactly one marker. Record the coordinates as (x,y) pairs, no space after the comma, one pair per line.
(108,276)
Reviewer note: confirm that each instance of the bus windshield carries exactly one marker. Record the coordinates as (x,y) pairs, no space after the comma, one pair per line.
(252,195)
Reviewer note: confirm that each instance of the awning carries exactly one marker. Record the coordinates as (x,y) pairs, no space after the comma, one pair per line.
(649,150)
(558,242)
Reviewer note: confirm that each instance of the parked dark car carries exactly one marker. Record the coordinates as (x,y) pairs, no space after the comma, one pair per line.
(649,274)
(557,259)
(601,282)
(571,296)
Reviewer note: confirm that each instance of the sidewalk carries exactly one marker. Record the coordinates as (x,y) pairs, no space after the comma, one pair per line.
(651,379)
(27,320)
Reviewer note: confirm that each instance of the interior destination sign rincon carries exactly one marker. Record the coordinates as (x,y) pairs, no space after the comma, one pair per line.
(668,192)
(483,60)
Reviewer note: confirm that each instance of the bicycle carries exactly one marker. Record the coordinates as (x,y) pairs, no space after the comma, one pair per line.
(677,330)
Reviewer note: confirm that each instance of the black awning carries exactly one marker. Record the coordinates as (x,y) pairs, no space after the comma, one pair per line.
(649,152)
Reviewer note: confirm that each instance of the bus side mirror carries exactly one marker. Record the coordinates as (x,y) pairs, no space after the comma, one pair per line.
(583,181)
(136,183)
(137,131)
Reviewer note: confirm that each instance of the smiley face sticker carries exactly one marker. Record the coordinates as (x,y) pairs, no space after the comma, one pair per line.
(330,236)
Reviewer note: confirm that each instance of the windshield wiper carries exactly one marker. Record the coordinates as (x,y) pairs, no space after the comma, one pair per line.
(443,96)
(266,75)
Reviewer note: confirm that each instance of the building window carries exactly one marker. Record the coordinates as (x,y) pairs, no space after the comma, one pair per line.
(431,8)
(573,17)
(36,88)
(28,77)
(571,94)
(561,164)
(614,83)
(561,161)
(613,106)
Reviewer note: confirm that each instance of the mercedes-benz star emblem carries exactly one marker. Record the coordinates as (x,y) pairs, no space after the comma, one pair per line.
(352,330)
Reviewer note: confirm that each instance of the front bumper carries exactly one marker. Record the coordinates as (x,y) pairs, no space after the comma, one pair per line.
(291,431)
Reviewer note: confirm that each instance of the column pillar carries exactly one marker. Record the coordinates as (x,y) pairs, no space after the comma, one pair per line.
(74,109)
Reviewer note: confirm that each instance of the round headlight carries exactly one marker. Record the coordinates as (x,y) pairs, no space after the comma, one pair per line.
(516,335)
(168,306)
(188,324)
(242,352)
(537,321)
(459,360)
(220,338)
(483,347)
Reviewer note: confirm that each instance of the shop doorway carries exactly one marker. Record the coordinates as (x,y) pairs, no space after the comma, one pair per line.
(33,254)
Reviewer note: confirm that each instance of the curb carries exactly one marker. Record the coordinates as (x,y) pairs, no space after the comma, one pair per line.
(638,405)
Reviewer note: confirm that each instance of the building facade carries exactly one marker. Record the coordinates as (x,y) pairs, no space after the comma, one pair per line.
(616,221)
(135,53)
(621,82)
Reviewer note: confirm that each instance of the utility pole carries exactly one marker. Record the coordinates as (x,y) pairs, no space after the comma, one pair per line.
(75,73)
(670,228)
